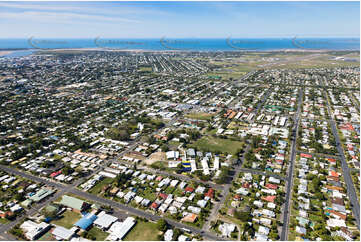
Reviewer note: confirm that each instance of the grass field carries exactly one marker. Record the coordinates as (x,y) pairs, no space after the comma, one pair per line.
(4,221)
(201,116)
(68,219)
(217,145)
(143,231)
(143,68)
(98,187)
(98,234)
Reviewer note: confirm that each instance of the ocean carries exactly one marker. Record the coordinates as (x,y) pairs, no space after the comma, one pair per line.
(189,44)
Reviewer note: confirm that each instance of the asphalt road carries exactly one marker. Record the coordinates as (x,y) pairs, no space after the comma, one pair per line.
(238,168)
(286,215)
(351,192)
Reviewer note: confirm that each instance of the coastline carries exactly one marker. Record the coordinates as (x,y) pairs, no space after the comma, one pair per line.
(7,51)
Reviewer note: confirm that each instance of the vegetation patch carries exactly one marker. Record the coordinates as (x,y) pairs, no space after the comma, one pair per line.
(143,231)
(217,145)
(67,219)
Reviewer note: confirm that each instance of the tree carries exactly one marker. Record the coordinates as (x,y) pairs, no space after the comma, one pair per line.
(162,225)
(176,233)
(243,216)
(67,170)
(164,148)
(118,134)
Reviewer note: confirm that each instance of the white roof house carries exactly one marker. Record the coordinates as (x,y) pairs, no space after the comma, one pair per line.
(259,204)
(200,189)
(336,223)
(62,233)
(182,185)
(261,237)
(274,180)
(263,230)
(216,162)
(193,165)
(119,229)
(204,163)
(182,238)
(168,235)
(104,220)
(33,230)
(174,183)
(226,229)
(202,203)
(172,155)
(301,230)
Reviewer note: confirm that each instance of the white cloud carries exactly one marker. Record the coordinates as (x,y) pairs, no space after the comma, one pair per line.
(61,17)
(87,8)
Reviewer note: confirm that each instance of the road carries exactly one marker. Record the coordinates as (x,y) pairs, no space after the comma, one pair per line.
(225,193)
(72,189)
(287,205)
(351,192)
(238,169)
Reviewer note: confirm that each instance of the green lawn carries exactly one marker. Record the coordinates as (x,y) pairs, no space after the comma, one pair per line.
(98,187)
(47,237)
(201,116)
(149,194)
(143,231)
(145,68)
(217,145)
(67,219)
(98,234)
(4,221)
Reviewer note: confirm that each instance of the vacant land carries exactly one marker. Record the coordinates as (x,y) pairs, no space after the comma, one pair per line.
(98,187)
(143,231)
(201,116)
(157,156)
(145,68)
(217,145)
(67,219)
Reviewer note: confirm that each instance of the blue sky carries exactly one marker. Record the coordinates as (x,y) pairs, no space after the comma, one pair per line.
(178,19)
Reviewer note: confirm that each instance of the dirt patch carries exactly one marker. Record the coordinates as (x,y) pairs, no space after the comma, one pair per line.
(157,156)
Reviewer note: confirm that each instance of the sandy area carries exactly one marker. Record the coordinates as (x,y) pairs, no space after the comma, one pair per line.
(157,156)
(5,52)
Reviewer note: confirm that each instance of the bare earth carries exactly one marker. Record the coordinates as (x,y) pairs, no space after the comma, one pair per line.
(157,156)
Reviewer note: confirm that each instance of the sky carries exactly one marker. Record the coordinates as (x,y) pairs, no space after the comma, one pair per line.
(179,19)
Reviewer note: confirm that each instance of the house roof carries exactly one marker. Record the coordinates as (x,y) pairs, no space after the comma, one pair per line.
(269,198)
(190,218)
(86,221)
(105,220)
(189,189)
(72,202)
(210,193)
(62,233)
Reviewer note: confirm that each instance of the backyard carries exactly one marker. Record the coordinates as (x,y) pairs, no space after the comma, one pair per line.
(67,219)
(143,231)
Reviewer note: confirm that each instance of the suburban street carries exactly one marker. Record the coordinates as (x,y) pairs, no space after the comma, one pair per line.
(287,205)
(351,192)
(72,189)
